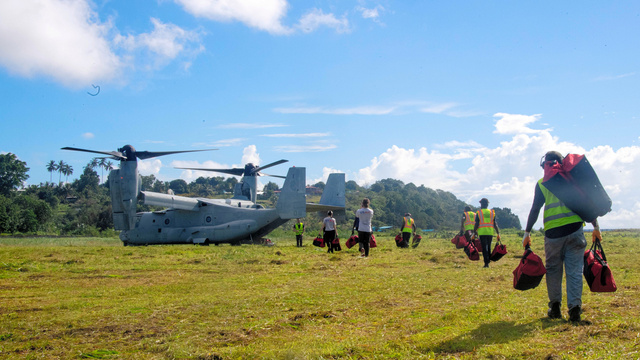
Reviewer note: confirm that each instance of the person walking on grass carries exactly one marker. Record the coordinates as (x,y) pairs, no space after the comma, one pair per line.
(408,229)
(298,227)
(564,244)
(468,223)
(364,216)
(485,227)
(329,231)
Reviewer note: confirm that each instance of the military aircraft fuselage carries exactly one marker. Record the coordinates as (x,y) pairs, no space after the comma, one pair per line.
(214,221)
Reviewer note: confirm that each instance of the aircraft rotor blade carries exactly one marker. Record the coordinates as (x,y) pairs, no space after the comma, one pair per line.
(276,176)
(115,154)
(237,172)
(259,168)
(151,154)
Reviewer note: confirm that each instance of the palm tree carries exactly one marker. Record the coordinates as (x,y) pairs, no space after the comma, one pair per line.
(68,170)
(102,164)
(51,167)
(94,163)
(61,165)
(108,166)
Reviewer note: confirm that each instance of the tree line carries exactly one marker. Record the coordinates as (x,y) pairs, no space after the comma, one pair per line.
(83,207)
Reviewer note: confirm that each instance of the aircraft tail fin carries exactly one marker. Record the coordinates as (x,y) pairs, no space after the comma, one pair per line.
(292,203)
(333,193)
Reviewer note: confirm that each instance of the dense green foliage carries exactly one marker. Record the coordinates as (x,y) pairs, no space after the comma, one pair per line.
(431,209)
(13,173)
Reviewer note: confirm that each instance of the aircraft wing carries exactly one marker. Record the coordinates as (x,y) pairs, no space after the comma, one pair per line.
(311,207)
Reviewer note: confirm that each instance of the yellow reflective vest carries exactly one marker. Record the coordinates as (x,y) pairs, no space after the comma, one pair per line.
(485,223)
(556,213)
(299,228)
(408,225)
(469,220)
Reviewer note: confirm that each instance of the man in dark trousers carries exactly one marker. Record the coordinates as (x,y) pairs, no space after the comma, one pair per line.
(485,228)
(564,243)
(408,229)
(298,227)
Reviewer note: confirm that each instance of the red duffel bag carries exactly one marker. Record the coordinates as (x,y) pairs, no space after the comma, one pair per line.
(529,272)
(459,241)
(351,241)
(471,251)
(498,252)
(596,270)
(372,241)
(318,241)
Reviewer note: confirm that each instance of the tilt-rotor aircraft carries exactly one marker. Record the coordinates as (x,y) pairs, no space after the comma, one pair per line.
(201,220)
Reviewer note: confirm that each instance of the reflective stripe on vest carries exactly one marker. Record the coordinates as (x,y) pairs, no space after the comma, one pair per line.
(469,220)
(556,213)
(299,228)
(485,226)
(408,225)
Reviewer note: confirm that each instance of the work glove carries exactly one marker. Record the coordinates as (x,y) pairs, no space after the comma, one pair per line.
(526,239)
(596,235)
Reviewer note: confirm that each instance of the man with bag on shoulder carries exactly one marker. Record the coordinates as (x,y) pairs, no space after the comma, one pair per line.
(485,227)
(564,243)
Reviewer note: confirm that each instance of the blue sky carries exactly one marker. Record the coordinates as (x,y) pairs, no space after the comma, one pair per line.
(464,96)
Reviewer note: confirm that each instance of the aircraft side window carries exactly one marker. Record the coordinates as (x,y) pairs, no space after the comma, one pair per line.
(208,219)
(166,221)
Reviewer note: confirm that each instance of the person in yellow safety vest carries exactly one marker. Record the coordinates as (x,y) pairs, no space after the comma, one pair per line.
(564,242)
(298,227)
(408,229)
(485,227)
(468,222)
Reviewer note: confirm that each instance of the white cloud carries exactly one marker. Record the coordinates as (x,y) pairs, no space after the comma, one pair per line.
(62,40)
(149,167)
(614,77)
(305,148)
(316,18)
(373,14)
(65,40)
(221,143)
(507,174)
(362,110)
(250,155)
(515,124)
(325,176)
(307,135)
(88,135)
(250,126)
(264,15)
(166,41)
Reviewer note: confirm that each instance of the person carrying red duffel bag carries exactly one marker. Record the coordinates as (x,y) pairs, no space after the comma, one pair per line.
(564,241)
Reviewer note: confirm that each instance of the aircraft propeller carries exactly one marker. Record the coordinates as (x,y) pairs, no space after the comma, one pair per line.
(129,153)
(248,170)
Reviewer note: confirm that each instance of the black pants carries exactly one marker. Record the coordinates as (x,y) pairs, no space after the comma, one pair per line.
(328,239)
(299,240)
(485,242)
(364,238)
(406,237)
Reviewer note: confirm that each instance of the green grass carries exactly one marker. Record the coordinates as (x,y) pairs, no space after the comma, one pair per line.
(78,298)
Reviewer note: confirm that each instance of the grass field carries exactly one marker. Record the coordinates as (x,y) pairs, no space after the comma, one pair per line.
(75,298)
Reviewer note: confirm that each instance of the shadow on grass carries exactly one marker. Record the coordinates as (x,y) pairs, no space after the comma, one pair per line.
(486,334)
